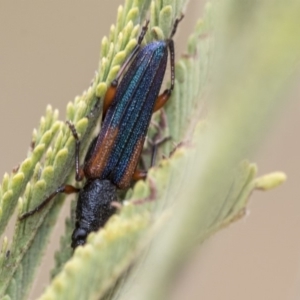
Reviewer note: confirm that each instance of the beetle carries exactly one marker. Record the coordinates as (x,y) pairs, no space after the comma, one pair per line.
(113,155)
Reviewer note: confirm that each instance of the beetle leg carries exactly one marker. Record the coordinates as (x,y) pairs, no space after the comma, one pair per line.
(111,91)
(66,189)
(142,174)
(109,97)
(134,51)
(175,25)
(78,170)
(139,174)
(163,98)
(152,196)
(155,145)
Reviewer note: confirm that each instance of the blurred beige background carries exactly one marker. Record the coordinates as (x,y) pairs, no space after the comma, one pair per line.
(49,52)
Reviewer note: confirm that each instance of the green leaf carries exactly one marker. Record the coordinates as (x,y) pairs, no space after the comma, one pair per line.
(199,188)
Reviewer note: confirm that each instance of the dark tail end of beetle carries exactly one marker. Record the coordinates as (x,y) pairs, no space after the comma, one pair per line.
(93,208)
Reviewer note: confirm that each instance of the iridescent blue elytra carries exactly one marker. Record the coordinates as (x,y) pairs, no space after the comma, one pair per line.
(127,119)
(112,158)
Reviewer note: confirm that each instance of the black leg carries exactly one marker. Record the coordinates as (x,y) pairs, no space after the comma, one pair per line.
(66,189)
(78,170)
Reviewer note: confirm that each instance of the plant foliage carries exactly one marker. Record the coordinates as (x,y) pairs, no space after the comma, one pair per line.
(201,187)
